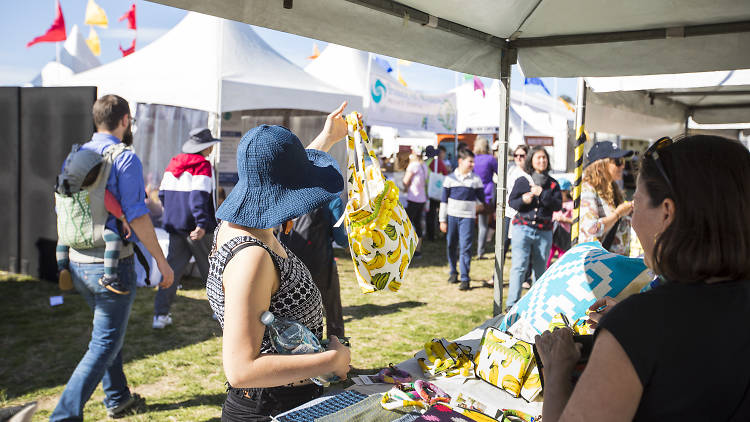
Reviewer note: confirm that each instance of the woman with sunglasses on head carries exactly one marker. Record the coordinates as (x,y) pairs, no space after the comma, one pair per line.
(678,351)
(605,215)
(514,172)
(536,195)
(251,272)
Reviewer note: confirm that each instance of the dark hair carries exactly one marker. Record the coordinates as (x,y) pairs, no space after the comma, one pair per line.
(465,153)
(442,148)
(709,235)
(91,176)
(523,147)
(528,167)
(109,110)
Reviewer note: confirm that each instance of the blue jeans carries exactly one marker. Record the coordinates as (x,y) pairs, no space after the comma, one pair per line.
(460,238)
(526,243)
(103,359)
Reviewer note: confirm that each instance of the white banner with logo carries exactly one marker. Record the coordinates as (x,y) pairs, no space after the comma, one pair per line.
(392,104)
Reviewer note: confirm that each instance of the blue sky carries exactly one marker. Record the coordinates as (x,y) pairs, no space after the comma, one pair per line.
(22,20)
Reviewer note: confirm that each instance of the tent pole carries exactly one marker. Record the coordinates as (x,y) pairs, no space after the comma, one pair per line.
(578,174)
(507,59)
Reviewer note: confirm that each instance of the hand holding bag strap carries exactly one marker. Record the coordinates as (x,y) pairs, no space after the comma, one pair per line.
(361,142)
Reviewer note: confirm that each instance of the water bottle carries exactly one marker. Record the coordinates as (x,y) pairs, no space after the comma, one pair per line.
(292,338)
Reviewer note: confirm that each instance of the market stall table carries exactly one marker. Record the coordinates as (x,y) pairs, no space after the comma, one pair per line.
(480,390)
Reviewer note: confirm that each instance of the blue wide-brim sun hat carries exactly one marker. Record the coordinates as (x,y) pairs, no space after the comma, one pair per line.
(278,179)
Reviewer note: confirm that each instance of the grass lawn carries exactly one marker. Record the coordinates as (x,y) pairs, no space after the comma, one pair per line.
(178,369)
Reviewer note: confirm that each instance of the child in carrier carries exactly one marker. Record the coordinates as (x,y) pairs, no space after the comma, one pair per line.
(562,220)
(81,170)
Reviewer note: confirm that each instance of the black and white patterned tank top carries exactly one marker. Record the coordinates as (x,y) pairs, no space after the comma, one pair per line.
(298,298)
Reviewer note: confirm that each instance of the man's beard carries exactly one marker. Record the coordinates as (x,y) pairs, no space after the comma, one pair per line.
(127,137)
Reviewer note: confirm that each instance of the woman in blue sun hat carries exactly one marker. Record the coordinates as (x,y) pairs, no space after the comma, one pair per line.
(251,272)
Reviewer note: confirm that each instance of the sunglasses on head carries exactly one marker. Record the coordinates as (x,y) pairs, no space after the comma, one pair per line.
(653,153)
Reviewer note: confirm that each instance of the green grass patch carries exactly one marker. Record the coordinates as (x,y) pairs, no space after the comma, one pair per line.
(178,370)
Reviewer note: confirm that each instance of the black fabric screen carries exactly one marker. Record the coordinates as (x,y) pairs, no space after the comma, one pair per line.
(9,172)
(51,121)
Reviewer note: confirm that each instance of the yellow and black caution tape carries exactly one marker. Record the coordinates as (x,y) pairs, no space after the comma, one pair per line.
(581,137)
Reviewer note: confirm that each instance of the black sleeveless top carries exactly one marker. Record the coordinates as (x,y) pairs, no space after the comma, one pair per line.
(297,299)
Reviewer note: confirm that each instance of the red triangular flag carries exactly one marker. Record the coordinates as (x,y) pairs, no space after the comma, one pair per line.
(130,16)
(478,85)
(56,32)
(130,50)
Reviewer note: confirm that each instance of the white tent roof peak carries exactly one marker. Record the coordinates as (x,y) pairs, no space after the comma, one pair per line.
(77,55)
(343,66)
(212,64)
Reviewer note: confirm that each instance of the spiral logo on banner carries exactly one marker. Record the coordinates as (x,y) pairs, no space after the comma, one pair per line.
(378,91)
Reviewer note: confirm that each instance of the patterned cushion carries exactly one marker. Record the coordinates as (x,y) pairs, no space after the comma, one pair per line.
(574,282)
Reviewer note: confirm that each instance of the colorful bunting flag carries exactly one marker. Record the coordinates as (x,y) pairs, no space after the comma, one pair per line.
(468,77)
(95,15)
(402,62)
(568,105)
(93,42)
(128,51)
(384,64)
(479,85)
(315,53)
(56,32)
(130,16)
(400,79)
(536,81)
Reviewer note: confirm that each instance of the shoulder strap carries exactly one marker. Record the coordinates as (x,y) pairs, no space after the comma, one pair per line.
(610,237)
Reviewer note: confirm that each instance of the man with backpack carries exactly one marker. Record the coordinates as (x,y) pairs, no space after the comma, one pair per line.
(124,179)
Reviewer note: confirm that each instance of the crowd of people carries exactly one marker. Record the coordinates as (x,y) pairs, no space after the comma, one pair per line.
(268,246)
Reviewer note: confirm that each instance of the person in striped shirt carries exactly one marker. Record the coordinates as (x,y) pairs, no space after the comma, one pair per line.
(462,191)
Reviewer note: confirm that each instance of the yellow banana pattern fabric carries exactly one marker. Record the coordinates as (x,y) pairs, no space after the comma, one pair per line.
(503,361)
(381,237)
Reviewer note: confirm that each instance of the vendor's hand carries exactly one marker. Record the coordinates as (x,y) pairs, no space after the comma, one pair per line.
(335,127)
(558,352)
(342,357)
(444,227)
(536,190)
(198,233)
(596,317)
(626,208)
(167,275)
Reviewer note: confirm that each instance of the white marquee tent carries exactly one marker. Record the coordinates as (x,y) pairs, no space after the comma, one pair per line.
(200,68)
(663,103)
(534,115)
(216,65)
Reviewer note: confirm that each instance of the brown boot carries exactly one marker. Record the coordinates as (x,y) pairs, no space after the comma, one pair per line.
(65,280)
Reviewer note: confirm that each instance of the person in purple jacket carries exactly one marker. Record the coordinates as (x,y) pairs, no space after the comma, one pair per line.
(186,192)
(485,166)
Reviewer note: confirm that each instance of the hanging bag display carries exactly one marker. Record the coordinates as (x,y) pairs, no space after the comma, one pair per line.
(382,240)
(435,181)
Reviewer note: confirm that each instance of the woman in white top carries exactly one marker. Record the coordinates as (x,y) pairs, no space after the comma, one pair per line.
(602,202)
(415,182)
